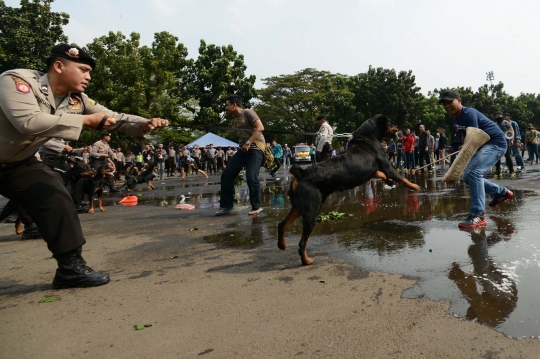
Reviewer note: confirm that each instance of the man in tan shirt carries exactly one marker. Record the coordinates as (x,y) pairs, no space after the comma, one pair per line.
(35,107)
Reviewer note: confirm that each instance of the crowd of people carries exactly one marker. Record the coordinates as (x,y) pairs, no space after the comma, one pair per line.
(410,150)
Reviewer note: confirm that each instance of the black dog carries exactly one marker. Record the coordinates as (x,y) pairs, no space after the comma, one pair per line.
(93,186)
(365,159)
(146,176)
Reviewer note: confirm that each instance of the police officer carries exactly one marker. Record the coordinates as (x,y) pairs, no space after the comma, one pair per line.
(101,151)
(102,155)
(35,107)
(323,141)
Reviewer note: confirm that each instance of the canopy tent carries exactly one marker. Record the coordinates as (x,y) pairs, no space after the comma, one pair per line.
(213,139)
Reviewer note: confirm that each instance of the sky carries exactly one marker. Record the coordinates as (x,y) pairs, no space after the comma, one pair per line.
(445,43)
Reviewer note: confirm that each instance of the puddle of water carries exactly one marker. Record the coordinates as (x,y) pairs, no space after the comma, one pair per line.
(488,275)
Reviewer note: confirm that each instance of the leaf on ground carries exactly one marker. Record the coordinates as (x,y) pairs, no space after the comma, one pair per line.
(49,299)
(142,326)
(174,257)
(322,281)
(193,229)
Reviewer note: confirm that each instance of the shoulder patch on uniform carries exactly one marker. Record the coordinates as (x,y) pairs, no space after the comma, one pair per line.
(92,102)
(21,85)
(75,103)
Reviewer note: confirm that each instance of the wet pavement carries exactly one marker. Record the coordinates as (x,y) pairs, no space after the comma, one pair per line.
(489,275)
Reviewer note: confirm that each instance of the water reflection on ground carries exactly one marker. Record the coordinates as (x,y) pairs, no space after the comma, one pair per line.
(488,275)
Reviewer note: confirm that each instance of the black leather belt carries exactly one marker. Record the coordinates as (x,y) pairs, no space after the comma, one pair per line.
(5,165)
(49,157)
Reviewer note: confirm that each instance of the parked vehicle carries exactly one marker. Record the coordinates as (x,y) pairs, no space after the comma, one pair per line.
(300,154)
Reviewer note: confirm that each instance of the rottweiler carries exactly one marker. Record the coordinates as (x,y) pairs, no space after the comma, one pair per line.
(364,159)
(93,186)
(146,175)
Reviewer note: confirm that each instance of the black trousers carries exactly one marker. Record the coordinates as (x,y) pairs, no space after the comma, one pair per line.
(326,153)
(42,195)
(509,162)
(277,165)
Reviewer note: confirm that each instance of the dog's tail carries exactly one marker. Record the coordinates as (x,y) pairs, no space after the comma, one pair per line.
(297,172)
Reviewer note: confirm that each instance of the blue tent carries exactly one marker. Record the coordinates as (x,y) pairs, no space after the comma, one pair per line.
(213,139)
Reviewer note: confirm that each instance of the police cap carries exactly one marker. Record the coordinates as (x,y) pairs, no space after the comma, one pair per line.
(73,53)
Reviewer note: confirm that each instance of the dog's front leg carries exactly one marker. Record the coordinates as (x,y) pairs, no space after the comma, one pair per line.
(91,207)
(18,229)
(403,180)
(100,202)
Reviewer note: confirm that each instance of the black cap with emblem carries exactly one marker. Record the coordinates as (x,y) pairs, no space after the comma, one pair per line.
(73,53)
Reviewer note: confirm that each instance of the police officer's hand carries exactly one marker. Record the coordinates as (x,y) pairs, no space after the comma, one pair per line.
(92,121)
(68,149)
(155,123)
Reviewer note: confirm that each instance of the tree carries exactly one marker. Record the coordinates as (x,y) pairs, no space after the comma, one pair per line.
(218,72)
(144,81)
(293,102)
(384,91)
(28,33)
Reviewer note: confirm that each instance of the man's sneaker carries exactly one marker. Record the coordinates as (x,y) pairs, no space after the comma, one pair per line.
(500,199)
(497,175)
(474,220)
(513,174)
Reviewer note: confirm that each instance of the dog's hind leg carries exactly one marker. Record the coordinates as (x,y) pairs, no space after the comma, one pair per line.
(284,225)
(309,221)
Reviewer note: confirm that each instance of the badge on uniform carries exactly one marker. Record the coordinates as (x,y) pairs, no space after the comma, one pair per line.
(75,103)
(21,85)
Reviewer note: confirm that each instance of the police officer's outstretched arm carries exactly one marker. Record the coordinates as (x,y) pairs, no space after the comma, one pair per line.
(134,125)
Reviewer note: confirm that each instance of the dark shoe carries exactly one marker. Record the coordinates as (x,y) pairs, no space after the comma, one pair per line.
(500,199)
(223,211)
(31,232)
(474,220)
(114,189)
(81,208)
(72,272)
(272,174)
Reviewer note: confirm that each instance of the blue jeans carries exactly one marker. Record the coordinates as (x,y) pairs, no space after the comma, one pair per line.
(473,175)
(517,155)
(252,161)
(533,151)
(287,162)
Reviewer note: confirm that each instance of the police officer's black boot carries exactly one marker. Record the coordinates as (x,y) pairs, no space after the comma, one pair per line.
(31,231)
(72,272)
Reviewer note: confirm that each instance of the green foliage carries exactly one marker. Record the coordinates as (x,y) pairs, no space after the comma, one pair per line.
(144,81)
(218,72)
(386,92)
(332,215)
(28,33)
(292,102)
